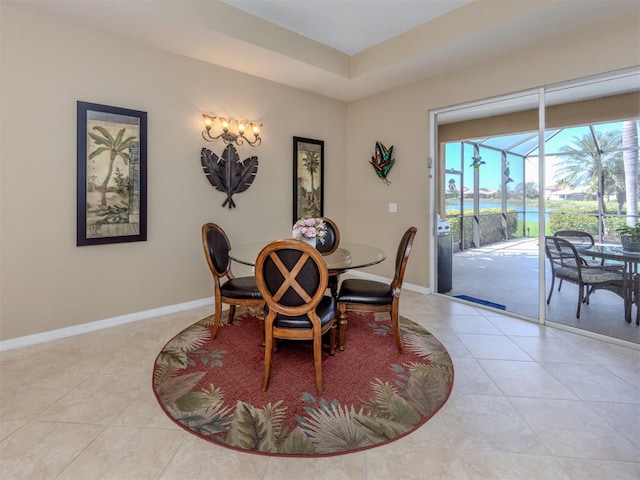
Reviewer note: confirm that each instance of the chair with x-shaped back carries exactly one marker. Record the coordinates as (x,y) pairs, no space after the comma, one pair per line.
(292,278)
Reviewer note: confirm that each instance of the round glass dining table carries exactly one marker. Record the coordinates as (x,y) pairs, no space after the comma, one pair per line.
(347,256)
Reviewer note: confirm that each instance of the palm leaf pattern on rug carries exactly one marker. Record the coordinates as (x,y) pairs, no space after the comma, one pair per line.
(256,429)
(392,407)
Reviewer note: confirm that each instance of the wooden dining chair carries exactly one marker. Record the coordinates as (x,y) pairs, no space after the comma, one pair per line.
(292,278)
(330,245)
(331,239)
(371,296)
(234,291)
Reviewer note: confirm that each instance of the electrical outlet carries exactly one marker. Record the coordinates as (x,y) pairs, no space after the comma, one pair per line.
(393,207)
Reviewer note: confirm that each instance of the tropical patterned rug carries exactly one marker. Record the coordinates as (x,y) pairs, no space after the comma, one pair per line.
(372,394)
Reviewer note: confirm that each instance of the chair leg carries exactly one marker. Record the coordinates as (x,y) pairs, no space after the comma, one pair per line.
(232,311)
(590,291)
(342,325)
(396,328)
(580,299)
(217,314)
(586,295)
(333,285)
(553,281)
(261,320)
(268,348)
(332,339)
(317,360)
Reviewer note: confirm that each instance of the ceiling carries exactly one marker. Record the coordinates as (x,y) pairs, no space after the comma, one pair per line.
(342,49)
(349,26)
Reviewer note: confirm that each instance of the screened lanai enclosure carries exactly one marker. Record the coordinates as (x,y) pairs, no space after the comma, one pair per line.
(516,169)
(493,191)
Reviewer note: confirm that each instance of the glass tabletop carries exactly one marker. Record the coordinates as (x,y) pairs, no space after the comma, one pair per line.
(347,255)
(610,252)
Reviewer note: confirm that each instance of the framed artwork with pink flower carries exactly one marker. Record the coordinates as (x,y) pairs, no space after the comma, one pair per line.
(308,178)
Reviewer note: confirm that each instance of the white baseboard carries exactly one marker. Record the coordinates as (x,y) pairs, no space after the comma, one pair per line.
(156,312)
(99,324)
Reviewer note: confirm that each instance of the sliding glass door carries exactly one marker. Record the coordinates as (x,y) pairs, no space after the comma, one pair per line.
(592,186)
(490,197)
(509,172)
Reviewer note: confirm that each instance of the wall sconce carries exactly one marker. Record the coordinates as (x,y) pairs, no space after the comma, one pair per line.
(228,134)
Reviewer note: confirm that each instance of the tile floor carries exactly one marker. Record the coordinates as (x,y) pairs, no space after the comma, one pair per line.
(528,402)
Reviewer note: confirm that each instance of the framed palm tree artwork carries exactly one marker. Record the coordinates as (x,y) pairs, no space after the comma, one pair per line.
(308,178)
(112,174)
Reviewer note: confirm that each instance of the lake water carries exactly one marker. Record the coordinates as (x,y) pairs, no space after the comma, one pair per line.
(532,211)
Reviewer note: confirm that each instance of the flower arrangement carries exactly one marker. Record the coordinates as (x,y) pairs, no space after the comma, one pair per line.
(308,228)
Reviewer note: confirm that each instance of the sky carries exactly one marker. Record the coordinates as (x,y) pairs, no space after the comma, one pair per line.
(491,171)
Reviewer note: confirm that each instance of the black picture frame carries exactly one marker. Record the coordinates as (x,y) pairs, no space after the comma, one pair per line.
(111,174)
(308,178)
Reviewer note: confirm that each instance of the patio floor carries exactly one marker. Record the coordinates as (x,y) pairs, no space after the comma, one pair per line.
(507,273)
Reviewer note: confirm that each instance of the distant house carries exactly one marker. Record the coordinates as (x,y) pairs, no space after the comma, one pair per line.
(482,193)
(562,192)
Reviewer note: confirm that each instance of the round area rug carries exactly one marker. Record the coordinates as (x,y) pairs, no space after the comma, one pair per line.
(372,394)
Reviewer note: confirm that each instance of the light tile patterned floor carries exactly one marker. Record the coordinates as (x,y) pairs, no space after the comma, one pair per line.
(528,402)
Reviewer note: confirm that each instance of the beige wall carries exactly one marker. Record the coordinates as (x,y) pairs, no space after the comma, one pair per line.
(400,118)
(599,110)
(47,283)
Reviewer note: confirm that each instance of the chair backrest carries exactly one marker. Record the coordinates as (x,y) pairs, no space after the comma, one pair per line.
(216,249)
(402,257)
(551,250)
(577,237)
(291,276)
(331,239)
(561,253)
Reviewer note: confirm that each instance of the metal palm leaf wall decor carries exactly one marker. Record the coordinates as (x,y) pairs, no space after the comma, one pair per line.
(227,173)
(382,161)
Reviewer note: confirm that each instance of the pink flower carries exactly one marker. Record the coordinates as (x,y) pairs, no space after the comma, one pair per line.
(310,228)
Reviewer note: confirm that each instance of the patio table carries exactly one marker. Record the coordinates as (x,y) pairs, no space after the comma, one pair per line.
(630,260)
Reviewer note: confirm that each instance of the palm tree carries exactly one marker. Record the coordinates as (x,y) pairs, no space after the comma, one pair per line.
(312,164)
(580,164)
(630,161)
(116,147)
